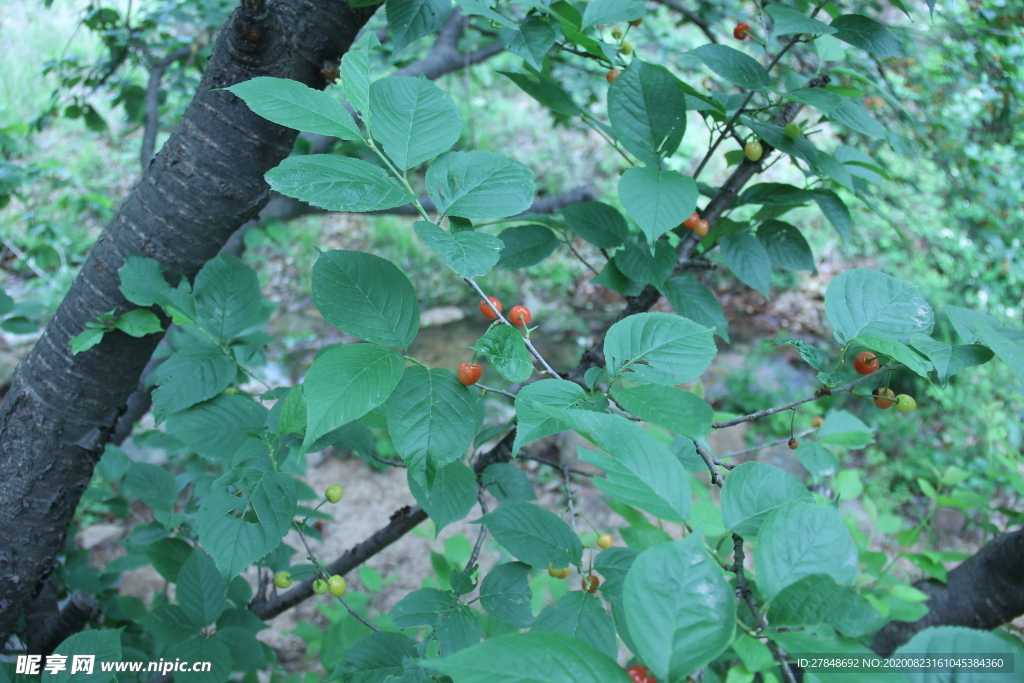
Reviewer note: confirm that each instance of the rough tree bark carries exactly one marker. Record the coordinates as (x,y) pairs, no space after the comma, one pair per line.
(205,183)
(984,592)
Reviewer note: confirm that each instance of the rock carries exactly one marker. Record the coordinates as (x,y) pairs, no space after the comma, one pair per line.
(98,534)
(949,519)
(440,315)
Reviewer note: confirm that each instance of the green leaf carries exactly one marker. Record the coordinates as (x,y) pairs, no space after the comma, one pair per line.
(217,428)
(805,642)
(785,245)
(817,599)
(507,353)
(138,323)
(193,374)
(366,296)
(658,347)
(526,245)
(845,429)
(479,185)
(941,641)
(355,70)
(410,20)
(680,608)
(546,91)
(674,409)
(637,263)
(801,148)
(613,564)
(451,495)
(337,183)
(142,283)
(657,200)
(481,9)
(413,119)
(582,615)
(814,356)
(346,382)
(375,657)
(862,301)
(855,117)
(167,556)
(835,211)
(201,590)
(641,471)
(612,278)
(531,40)
(963,320)
(227,295)
(201,649)
(752,491)
(295,105)
(597,223)
(247,653)
(824,101)
(693,300)
(789,20)
(828,166)
(533,422)
(528,658)
(647,110)
(505,594)
(1007,344)
(611,12)
(867,34)
(292,418)
(151,484)
(800,539)
(533,535)
(897,351)
(949,360)
(432,419)
(114,464)
(105,646)
(83,341)
(818,460)
(170,623)
(748,260)
(468,253)
(6,303)
(775,194)
(506,482)
(240,525)
(734,66)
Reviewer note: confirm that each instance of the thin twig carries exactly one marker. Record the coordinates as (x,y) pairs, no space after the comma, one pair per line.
(495,391)
(580,257)
(817,394)
(529,344)
(393,463)
(478,546)
(765,445)
(743,591)
(568,494)
(549,463)
(324,575)
(696,264)
(716,476)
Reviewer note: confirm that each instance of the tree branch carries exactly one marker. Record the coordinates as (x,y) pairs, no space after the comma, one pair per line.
(692,17)
(152,101)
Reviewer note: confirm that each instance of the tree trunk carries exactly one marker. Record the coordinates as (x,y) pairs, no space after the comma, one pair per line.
(984,592)
(205,183)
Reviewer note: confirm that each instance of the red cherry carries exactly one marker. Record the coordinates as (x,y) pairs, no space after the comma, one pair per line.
(692,222)
(865,363)
(612,75)
(469,373)
(486,311)
(882,402)
(742,31)
(520,315)
(702,228)
(590,583)
(638,673)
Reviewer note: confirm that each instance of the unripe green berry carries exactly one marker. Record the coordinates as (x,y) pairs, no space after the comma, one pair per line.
(319,586)
(905,403)
(792,130)
(753,150)
(334,492)
(282,579)
(336,585)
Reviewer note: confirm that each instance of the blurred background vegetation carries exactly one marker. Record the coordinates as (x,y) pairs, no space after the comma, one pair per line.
(950,219)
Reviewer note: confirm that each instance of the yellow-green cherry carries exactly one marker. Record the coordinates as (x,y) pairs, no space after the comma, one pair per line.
(282,579)
(905,403)
(319,586)
(336,585)
(334,492)
(753,150)
(792,130)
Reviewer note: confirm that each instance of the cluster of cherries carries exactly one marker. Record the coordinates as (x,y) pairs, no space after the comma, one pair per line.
(866,363)
(520,316)
(699,226)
